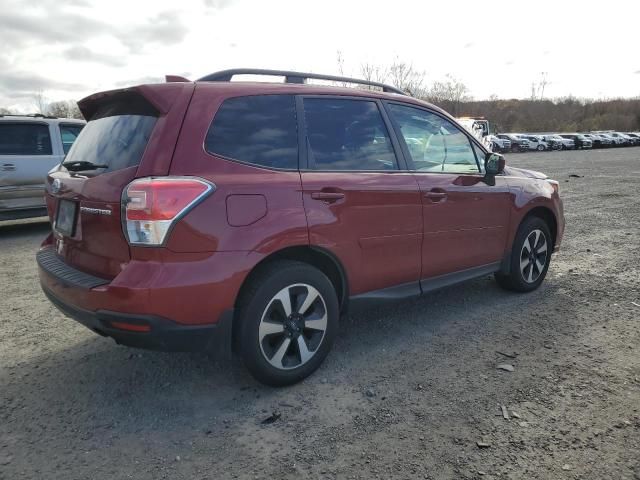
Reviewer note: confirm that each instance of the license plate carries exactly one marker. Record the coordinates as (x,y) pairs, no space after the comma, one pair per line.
(66,217)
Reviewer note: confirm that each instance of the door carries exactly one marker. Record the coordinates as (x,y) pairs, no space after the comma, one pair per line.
(26,155)
(360,203)
(465,214)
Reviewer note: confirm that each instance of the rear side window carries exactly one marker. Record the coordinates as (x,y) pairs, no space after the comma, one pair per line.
(347,135)
(68,134)
(261,130)
(24,139)
(117,141)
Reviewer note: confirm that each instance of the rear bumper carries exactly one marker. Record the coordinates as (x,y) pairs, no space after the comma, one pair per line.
(162,334)
(179,306)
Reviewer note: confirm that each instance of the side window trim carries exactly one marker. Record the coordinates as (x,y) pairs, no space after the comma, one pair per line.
(306,163)
(405,150)
(303,148)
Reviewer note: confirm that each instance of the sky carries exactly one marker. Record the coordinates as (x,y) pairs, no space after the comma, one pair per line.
(68,49)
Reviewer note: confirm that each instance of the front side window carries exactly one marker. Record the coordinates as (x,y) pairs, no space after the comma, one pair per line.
(260,130)
(68,134)
(434,143)
(24,139)
(347,135)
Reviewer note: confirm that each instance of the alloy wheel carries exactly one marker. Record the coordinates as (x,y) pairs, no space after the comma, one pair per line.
(533,256)
(293,326)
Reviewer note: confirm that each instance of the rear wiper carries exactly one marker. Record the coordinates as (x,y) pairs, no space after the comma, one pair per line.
(81,165)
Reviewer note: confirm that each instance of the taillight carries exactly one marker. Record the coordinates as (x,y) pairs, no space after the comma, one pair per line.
(153,205)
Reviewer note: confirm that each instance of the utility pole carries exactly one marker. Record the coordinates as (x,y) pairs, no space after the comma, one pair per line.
(543,83)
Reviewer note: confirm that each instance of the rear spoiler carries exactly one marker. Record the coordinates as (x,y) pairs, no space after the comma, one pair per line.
(175,79)
(152,99)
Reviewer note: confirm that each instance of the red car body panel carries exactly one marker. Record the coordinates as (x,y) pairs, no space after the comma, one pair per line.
(465,224)
(384,229)
(375,230)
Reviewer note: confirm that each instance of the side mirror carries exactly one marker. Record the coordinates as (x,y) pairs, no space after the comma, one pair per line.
(494,163)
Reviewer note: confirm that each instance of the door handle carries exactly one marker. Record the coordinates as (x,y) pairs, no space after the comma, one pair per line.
(436,195)
(328,197)
(7,167)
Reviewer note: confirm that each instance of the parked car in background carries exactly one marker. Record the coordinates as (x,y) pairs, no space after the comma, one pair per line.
(615,141)
(579,140)
(517,144)
(562,142)
(621,138)
(555,141)
(497,144)
(217,214)
(536,142)
(635,136)
(632,141)
(598,141)
(30,146)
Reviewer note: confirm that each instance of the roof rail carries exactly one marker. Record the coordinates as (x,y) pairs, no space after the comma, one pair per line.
(32,115)
(293,77)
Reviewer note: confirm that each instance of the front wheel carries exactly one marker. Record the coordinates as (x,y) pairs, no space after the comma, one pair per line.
(530,257)
(287,323)
(540,148)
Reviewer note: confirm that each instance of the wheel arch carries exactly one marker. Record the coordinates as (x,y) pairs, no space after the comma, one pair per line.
(318,257)
(544,213)
(548,216)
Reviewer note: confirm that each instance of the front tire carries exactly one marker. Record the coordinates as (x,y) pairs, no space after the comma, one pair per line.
(540,148)
(530,257)
(288,321)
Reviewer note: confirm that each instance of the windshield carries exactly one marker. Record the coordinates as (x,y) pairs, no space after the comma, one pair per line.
(117,141)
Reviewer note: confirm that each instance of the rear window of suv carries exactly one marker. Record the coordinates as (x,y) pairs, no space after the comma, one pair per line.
(21,138)
(117,132)
(260,130)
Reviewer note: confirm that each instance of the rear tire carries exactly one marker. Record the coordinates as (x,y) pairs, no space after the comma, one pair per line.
(288,321)
(530,257)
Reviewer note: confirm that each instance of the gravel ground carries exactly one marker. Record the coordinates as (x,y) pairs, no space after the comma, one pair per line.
(410,390)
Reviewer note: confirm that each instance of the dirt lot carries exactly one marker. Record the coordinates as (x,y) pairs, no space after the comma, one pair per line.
(407,392)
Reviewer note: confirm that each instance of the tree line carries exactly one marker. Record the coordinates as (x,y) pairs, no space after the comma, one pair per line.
(535,114)
(43,106)
(560,115)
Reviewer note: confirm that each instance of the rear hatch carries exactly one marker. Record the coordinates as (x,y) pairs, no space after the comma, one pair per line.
(130,133)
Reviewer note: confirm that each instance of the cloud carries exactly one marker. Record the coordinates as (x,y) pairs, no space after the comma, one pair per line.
(81,53)
(166,28)
(18,83)
(138,81)
(51,24)
(46,27)
(217,4)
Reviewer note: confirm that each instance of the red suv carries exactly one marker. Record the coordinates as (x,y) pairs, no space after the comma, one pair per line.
(218,215)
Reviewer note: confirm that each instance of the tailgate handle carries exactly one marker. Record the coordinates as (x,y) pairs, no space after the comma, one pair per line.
(7,167)
(328,197)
